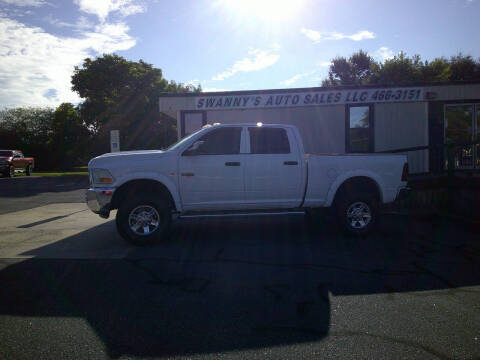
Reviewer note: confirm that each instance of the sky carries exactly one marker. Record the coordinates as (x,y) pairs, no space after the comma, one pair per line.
(220,44)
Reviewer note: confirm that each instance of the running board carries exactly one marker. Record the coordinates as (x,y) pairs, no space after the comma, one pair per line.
(235,214)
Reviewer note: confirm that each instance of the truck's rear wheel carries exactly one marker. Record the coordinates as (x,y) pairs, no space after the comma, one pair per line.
(143,220)
(357,214)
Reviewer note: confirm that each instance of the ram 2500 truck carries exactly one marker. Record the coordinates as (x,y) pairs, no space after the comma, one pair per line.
(13,160)
(232,170)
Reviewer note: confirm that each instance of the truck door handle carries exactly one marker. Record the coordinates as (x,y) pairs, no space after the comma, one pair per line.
(232,163)
(188,174)
(290,163)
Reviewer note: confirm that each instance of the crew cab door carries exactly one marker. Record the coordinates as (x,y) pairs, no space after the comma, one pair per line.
(274,168)
(212,176)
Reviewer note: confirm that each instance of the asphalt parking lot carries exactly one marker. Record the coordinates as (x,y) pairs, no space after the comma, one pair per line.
(268,287)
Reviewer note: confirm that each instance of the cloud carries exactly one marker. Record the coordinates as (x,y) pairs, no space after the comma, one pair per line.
(258,60)
(383,53)
(33,3)
(324,63)
(36,67)
(81,24)
(317,36)
(102,8)
(212,89)
(296,77)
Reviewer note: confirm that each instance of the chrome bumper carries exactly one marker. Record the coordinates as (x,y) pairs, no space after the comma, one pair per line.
(98,200)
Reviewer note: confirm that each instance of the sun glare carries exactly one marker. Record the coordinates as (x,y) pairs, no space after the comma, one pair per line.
(266,10)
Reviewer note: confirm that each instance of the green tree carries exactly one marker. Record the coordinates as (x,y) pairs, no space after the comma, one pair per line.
(401,69)
(436,70)
(464,68)
(356,70)
(27,129)
(121,94)
(69,137)
(111,81)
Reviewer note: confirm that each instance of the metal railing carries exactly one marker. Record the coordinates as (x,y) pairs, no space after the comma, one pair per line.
(446,158)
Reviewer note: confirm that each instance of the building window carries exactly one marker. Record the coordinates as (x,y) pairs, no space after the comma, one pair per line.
(192,121)
(268,141)
(359,129)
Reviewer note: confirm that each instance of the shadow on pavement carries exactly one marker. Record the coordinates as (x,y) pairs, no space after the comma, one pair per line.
(219,286)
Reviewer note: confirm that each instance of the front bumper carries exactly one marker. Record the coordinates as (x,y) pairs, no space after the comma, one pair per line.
(99,199)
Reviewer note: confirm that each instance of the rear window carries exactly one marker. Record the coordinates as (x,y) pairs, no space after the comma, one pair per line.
(268,141)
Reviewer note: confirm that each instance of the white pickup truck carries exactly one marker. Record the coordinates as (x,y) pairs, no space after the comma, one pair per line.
(239,170)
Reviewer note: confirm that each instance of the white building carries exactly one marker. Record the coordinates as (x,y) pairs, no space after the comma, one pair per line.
(351,119)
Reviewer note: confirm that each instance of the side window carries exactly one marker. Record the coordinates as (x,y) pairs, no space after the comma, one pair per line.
(359,129)
(268,141)
(223,141)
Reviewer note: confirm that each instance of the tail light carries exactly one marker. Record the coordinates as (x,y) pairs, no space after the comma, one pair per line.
(405,172)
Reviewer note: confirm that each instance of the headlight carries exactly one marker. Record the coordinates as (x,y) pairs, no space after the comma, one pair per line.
(101,177)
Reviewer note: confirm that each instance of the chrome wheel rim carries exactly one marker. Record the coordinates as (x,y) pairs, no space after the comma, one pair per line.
(144,220)
(359,215)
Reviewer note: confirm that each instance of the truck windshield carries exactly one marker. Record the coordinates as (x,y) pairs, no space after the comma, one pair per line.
(5,153)
(181,141)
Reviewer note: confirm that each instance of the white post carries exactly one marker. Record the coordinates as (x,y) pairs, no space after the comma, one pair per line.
(114,140)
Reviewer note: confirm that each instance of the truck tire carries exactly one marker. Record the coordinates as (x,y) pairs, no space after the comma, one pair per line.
(11,171)
(357,214)
(143,220)
(28,171)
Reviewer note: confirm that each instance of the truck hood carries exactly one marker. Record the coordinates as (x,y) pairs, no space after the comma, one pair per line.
(133,152)
(122,157)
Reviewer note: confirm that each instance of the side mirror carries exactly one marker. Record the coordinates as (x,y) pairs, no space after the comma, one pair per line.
(194,147)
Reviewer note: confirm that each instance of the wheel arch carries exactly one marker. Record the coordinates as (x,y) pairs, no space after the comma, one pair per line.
(365,182)
(145,184)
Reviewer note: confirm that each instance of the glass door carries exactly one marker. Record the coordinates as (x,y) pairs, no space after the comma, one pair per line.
(462,126)
(477,133)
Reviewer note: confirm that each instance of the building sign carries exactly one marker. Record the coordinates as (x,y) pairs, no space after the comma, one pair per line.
(114,140)
(311,98)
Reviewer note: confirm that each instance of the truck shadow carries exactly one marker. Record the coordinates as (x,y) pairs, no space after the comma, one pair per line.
(219,286)
(31,185)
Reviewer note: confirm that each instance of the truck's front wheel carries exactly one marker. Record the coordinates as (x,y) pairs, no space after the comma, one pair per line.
(142,220)
(357,214)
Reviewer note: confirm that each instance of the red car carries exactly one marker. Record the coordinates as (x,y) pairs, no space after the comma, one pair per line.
(13,160)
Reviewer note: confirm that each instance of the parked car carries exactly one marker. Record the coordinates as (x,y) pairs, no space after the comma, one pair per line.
(239,170)
(13,160)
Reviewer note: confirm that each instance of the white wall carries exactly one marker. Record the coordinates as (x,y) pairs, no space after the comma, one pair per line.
(402,125)
(322,128)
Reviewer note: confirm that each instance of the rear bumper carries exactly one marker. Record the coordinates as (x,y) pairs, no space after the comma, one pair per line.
(403,193)
(98,200)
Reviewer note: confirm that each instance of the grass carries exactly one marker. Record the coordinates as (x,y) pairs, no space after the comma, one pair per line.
(81,170)
(59,173)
